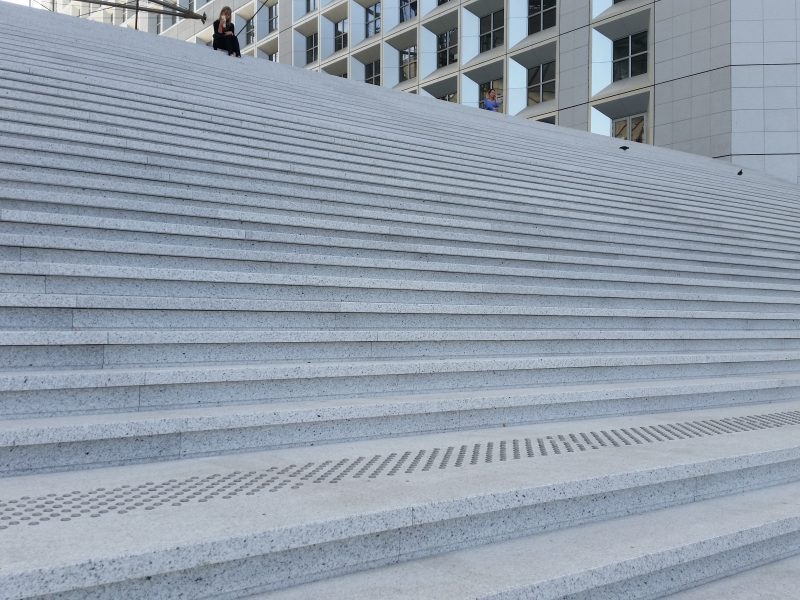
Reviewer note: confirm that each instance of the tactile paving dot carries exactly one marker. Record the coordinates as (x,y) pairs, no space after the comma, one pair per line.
(150,495)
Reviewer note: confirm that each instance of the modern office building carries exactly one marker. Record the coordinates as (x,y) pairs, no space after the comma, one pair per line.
(713,77)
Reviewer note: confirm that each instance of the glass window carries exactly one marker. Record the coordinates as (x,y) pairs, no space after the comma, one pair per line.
(312,46)
(250,32)
(273,57)
(491,30)
(630,128)
(372,72)
(340,35)
(542,83)
(551,120)
(541,15)
(494,84)
(373,20)
(451,97)
(272,18)
(630,56)
(440,2)
(408,10)
(408,63)
(311,5)
(447,48)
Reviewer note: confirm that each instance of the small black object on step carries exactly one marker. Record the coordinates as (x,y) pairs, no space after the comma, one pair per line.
(740,171)
(624,147)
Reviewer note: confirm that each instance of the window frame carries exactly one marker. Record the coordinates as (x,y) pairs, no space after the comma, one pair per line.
(272,18)
(408,63)
(542,82)
(492,84)
(495,34)
(447,48)
(538,16)
(375,77)
(340,35)
(373,17)
(628,60)
(249,32)
(628,120)
(408,10)
(312,50)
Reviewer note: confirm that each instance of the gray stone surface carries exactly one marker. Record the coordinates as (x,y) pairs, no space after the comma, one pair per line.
(774,581)
(228,373)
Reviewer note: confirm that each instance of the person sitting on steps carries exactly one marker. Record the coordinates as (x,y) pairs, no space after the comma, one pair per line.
(224,36)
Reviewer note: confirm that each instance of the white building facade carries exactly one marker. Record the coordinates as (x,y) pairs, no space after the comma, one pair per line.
(712,77)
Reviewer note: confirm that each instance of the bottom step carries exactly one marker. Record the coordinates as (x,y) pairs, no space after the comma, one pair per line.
(774,581)
(643,556)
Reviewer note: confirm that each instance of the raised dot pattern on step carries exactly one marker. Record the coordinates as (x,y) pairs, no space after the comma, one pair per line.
(175,493)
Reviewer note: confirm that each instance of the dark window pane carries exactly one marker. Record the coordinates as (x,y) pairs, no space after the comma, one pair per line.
(638,65)
(549,4)
(639,42)
(637,129)
(498,38)
(621,48)
(548,91)
(534,6)
(621,129)
(534,24)
(549,71)
(621,69)
(486,41)
(534,95)
(534,75)
(549,19)
(486,23)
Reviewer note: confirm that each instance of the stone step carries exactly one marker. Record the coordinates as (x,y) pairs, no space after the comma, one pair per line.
(178,73)
(71,251)
(86,311)
(390,501)
(211,219)
(112,179)
(635,557)
(773,580)
(65,278)
(69,390)
(91,440)
(356,341)
(43,228)
(202,176)
(93,139)
(37,349)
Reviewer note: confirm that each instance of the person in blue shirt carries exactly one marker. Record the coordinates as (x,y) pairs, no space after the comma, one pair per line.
(490,102)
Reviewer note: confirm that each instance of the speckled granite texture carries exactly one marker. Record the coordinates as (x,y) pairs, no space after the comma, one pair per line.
(368,351)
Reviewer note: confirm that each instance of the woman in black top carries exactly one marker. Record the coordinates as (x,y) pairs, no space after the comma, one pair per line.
(224,36)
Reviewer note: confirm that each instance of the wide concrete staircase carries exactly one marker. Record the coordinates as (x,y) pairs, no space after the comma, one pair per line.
(268,332)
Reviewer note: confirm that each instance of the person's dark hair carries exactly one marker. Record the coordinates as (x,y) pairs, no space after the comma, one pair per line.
(226,9)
